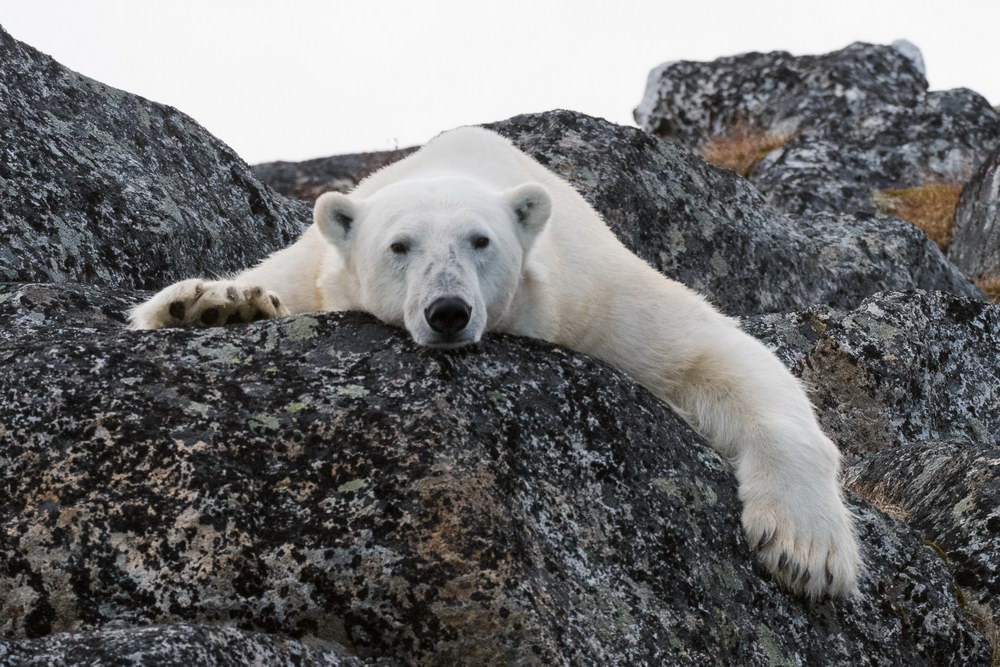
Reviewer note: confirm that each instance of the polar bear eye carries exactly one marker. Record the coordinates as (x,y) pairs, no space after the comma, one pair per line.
(480,242)
(399,248)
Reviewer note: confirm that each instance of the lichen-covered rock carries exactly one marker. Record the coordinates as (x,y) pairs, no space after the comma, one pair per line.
(308,179)
(711,230)
(908,387)
(975,246)
(899,369)
(949,492)
(856,120)
(175,645)
(323,476)
(104,187)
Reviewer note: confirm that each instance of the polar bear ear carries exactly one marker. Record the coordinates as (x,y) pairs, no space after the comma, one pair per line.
(532,207)
(336,216)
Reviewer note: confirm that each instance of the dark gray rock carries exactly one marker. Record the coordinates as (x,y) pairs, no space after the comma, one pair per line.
(104,187)
(178,644)
(975,246)
(323,476)
(711,230)
(901,368)
(308,179)
(908,387)
(858,119)
(950,492)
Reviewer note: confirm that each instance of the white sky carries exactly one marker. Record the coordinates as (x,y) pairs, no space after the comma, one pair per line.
(304,78)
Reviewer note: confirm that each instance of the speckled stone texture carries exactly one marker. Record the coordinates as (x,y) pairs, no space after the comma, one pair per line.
(711,230)
(909,388)
(975,245)
(949,492)
(308,179)
(859,119)
(901,368)
(175,645)
(322,476)
(100,186)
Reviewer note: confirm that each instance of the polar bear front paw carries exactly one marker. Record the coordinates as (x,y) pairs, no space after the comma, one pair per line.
(204,303)
(804,537)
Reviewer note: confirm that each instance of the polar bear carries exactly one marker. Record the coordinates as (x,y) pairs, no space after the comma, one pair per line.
(469,235)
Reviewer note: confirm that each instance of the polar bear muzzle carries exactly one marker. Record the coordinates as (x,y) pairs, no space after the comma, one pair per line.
(448,315)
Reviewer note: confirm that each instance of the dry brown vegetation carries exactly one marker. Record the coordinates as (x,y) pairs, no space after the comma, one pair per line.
(742,147)
(879,499)
(990,285)
(930,206)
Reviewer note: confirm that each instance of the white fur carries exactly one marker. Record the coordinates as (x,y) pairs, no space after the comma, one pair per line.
(553,270)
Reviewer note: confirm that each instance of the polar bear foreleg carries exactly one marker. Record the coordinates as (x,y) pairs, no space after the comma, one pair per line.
(754,412)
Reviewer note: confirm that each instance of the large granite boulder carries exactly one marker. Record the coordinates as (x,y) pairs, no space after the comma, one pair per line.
(308,179)
(100,186)
(852,121)
(323,476)
(975,246)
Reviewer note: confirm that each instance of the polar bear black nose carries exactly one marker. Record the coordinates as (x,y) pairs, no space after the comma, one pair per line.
(447,315)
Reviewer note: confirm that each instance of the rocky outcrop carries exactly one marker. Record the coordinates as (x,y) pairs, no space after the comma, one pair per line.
(713,231)
(323,476)
(320,490)
(853,121)
(103,187)
(975,246)
(308,179)
(175,644)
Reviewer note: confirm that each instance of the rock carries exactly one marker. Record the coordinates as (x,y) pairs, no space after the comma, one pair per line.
(907,386)
(853,121)
(308,179)
(975,246)
(175,644)
(899,369)
(322,476)
(99,186)
(911,51)
(950,492)
(711,230)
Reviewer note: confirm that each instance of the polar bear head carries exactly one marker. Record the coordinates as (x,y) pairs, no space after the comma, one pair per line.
(441,257)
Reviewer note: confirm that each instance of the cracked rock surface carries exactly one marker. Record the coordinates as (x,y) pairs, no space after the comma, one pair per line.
(855,120)
(323,476)
(950,493)
(975,245)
